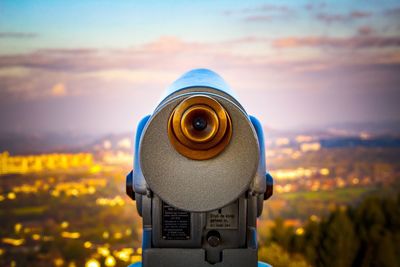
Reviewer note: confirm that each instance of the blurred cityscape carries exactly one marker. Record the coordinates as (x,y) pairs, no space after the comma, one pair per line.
(67,207)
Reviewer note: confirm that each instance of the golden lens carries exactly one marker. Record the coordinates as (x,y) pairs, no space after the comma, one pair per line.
(199,128)
(199,123)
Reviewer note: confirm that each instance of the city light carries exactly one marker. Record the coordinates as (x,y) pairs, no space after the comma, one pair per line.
(58,262)
(116,201)
(110,261)
(106,235)
(314,218)
(324,171)
(300,231)
(71,235)
(136,258)
(306,147)
(87,244)
(117,235)
(38,163)
(92,263)
(124,254)
(13,241)
(303,138)
(36,237)
(282,141)
(103,251)
(17,227)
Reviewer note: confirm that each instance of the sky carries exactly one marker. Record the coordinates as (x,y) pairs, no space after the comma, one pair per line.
(97,67)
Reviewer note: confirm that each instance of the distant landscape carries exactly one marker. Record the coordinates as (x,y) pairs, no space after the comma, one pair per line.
(66,206)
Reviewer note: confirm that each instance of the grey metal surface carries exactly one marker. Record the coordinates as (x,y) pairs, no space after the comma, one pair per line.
(258,185)
(195,185)
(260,264)
(233,235)
(195,258)
(235,179)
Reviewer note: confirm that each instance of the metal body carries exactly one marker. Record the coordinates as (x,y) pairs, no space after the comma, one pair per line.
(199,212)
(260,264)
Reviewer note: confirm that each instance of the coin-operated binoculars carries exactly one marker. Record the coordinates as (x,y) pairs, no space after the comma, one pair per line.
(199,177)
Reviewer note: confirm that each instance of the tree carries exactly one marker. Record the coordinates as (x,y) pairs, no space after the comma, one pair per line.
(339,242)
(377,221)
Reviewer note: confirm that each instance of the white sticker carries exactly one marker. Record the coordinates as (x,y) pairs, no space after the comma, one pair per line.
(225,218)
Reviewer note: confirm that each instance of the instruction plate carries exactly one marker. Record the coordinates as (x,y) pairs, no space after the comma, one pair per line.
(225,218)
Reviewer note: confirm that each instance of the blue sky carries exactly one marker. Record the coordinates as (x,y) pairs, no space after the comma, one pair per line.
(98,66)
(124,23)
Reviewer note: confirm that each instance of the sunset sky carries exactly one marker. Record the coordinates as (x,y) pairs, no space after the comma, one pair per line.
(97,67)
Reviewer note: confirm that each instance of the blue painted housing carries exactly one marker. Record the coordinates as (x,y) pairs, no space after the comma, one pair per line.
(200,78)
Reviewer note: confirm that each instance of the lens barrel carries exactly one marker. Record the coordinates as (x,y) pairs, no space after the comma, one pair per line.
(199,128)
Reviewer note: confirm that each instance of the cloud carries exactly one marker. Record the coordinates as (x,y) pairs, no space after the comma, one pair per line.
(314,6)
(58,90)
(156,55)
(393,11)
(149,55)
(365,30)
(18,35)
(264,12)
(338,42)
(57,73)
(259,18)
(353,15)
(359,14)
(167,54)
(267,13)
(170,44)
(266,8)
(54,59)
(274,8)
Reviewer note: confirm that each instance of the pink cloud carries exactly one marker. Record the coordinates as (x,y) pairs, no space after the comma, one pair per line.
(337,42)
(359,14)
(365,30)
(171,44)
(58,90)
(156,63)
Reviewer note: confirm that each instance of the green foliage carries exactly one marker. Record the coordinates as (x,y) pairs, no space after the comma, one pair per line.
(281,234)
(278,257)
(338,195)
(73,251)
(367,235)
(377,226)
(339,244)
